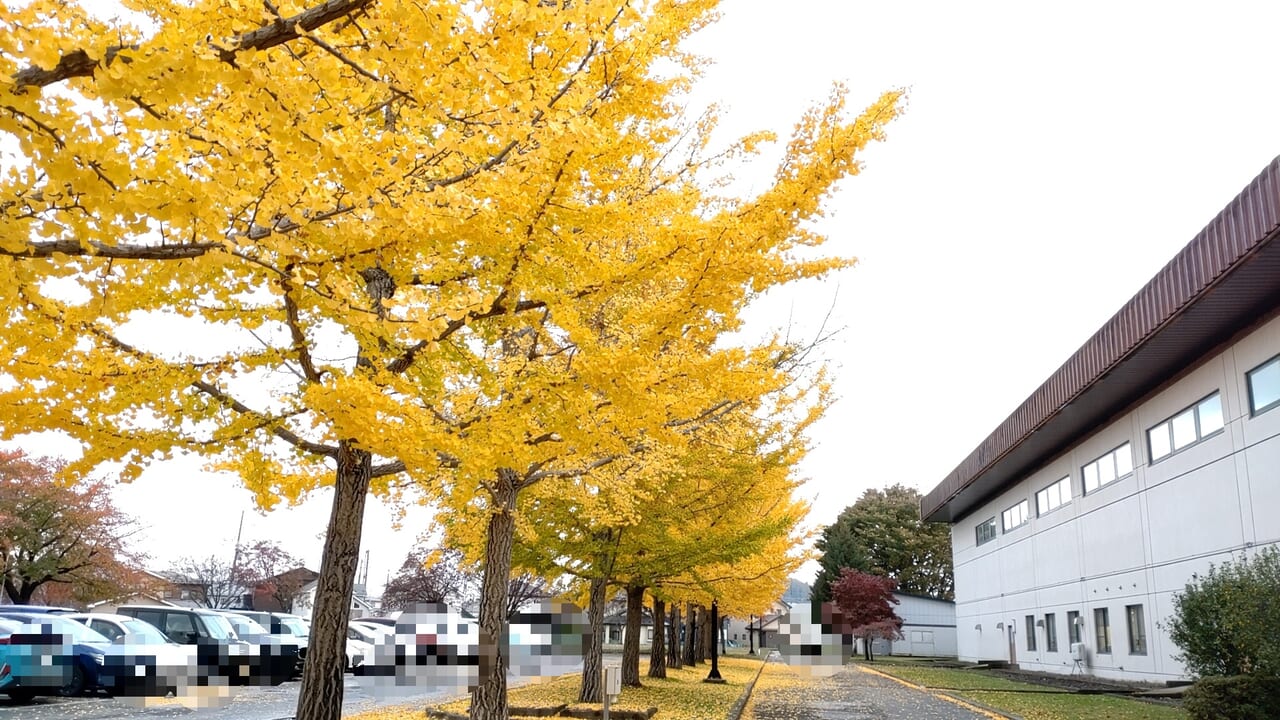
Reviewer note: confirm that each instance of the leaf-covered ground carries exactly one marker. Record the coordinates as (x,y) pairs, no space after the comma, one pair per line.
(680,696)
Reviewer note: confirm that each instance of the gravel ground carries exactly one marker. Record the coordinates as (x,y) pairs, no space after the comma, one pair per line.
(850,695)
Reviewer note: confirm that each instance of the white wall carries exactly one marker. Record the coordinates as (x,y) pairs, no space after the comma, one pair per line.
(1136,541)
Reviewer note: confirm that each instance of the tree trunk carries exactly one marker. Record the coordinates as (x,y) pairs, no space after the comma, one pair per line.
(658,648)
(631,637)
(590,690)
(489,701)
(675,657)
(866,648)
(320,696)
(690,626)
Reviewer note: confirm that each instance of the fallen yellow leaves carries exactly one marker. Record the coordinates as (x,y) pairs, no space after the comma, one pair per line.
(680,696)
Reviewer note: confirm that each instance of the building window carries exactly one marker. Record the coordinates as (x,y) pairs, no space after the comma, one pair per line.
(1016,515)
(1137,630)
(1073,627)
(1186,428)
(1054,496)
(986,531)
(1108,468)
(1264,386)
(1102,630)
(1031,633)
(1050,632)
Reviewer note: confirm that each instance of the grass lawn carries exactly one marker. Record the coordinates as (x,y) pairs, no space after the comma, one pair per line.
(1002,694)
(681,696)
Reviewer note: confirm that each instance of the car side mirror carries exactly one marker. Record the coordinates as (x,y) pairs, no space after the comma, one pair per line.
(120,640)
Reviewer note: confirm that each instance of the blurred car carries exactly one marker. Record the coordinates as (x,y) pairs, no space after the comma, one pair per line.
(51,655)
(383,621)
(283,649)
(430,648)
(282,624)
(142,662)
(222,657)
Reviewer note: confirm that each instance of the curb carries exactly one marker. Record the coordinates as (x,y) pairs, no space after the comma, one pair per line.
(1001,713)
(735,712)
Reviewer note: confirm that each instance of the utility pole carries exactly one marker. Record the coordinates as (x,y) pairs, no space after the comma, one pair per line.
(235,559)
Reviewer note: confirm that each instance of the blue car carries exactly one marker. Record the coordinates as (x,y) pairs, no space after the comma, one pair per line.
(50,655)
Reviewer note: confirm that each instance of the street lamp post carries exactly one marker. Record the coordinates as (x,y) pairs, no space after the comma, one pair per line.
(714,675)
(751,635)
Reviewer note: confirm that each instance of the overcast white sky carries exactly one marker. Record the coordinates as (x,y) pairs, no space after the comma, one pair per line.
(1053,158)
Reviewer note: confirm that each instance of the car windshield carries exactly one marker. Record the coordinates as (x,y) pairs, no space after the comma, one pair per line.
(293,626)
(77,632)
(143,632)
(218,627)
(245,626)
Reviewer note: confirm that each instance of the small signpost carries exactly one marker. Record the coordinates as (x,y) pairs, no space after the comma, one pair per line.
(612,686)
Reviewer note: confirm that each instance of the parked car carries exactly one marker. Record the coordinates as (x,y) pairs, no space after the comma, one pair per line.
(282,624)
(220,653)
(28,609)
(51,655)
(430,648)
(142,662)
(283,648)
(383,621)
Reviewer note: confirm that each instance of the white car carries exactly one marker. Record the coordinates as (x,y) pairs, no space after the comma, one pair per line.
(146,649)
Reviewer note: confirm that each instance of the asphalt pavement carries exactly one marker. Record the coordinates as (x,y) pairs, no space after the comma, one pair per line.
(250,703)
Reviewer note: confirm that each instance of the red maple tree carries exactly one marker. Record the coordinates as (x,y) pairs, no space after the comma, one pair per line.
(867,604)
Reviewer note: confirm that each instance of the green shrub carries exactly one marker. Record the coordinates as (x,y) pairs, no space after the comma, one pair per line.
(1227,622)
(1239,697)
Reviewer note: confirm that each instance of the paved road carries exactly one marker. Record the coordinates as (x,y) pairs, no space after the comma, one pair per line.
(851,694)
(249,704)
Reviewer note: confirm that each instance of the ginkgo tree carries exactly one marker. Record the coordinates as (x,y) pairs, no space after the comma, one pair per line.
(273,234)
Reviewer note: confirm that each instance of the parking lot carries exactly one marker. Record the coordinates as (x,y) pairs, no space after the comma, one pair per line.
(250,703)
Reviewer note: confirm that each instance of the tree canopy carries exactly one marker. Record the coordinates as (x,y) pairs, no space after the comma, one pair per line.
(882,534)
(464,248)
(56,533)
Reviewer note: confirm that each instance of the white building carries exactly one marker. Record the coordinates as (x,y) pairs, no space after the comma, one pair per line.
(928,628)
(1153,452)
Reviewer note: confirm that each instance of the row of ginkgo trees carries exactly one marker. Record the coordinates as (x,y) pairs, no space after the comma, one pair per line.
(469,248)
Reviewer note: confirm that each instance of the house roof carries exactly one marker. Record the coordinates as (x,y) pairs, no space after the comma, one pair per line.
(1220,284)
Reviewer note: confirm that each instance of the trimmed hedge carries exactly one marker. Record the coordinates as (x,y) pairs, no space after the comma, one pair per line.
(1235,697)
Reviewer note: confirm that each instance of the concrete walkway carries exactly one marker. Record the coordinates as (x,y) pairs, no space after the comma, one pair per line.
(851,694)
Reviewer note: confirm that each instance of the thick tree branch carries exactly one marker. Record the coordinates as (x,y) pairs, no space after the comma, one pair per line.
(78,63)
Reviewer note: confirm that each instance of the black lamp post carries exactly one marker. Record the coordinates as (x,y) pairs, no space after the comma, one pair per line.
(751,635)
(714,675)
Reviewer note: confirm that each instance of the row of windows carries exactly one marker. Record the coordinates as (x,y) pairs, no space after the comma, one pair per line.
(1184,429)
(1101,629)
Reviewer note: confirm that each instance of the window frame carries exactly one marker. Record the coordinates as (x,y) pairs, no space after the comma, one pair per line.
(1031,633)
(1063,484)
(1112,455)
(995,530)
(1102,630)
(1248,383)
(1074,632)
(1194,409)
(1025,512)
(1140,646)
(1050,632)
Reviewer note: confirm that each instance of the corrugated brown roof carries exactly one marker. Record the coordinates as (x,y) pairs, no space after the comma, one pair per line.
(1222,281)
